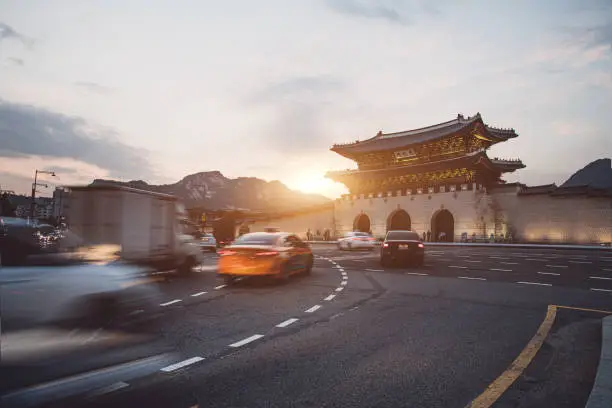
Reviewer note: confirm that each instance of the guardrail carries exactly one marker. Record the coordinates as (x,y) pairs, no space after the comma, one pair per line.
(500,245)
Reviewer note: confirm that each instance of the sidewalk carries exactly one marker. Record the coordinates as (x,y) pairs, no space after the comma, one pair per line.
(601,395)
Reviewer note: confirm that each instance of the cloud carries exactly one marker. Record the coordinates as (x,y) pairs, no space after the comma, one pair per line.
(16,61)
(367,9)
(93,87)
(298,109)
(9,33)
(30,131)
(393,11)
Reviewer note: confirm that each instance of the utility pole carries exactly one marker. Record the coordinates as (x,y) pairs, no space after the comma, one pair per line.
(34,185)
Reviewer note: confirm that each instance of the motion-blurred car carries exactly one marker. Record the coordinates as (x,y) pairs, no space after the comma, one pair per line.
(89,288)
(18,239)
(402,246)
(356,240)
(275,254)
(208,242)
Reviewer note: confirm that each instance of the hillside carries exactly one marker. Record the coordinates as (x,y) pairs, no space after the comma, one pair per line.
(212,190)
(597,174)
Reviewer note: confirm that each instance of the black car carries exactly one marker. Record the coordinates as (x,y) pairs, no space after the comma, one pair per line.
(402,246)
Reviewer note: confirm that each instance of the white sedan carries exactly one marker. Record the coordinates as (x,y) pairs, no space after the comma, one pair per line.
(357,240)
(208,242)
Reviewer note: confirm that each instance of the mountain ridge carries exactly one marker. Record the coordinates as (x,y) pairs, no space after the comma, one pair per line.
(212,190)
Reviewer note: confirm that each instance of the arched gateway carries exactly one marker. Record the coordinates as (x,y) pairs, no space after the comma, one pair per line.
(399,220)
(443,222)
(361,223)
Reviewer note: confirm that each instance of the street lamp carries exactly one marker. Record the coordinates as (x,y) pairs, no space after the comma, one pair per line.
(34,185)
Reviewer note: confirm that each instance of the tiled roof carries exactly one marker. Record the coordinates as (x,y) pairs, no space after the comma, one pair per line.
(390,141)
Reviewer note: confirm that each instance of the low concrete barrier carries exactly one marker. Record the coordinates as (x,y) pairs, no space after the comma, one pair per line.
(601,394)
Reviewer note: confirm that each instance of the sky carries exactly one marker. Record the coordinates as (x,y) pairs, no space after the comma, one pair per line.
(157,90)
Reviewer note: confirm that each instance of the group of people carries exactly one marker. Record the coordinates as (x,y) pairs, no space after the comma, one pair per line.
(430,237)
(325,236)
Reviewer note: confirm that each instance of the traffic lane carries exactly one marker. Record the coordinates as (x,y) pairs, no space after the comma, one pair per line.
(504,268)
(208,325)
(392,351)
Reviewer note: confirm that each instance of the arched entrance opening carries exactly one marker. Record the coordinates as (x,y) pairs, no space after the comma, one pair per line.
(361,223)
(399,220)
(443,222)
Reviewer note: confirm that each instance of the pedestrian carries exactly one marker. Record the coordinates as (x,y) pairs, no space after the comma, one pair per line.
(308,235)
(424,237)
(428,236)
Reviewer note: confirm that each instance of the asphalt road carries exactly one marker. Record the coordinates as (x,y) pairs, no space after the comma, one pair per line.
(354,334)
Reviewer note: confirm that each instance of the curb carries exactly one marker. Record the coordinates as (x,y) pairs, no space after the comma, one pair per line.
(601,394)
(497,245)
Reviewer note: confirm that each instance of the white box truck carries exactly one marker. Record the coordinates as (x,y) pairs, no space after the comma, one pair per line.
(152,228)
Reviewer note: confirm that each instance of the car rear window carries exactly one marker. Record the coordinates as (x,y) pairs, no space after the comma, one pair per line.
(257,239)
(403,235)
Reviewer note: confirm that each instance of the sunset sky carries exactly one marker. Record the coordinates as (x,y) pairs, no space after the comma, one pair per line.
(156,90)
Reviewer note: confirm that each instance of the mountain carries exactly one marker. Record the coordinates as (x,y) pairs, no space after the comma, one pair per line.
(597,174)
(212,190)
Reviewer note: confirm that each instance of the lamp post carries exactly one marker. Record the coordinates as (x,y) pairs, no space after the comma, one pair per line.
(33,204)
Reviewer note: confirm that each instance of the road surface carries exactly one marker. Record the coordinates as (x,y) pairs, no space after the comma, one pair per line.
(354,334)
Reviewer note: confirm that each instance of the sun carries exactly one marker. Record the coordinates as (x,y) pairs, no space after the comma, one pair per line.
(317,184)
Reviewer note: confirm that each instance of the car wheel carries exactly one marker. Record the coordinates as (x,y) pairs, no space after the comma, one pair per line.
(339,246)
(349,246)
(308,268)
(420,262)
(228,279)
(186,268)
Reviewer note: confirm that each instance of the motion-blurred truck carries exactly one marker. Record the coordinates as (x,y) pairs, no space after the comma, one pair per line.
(152,229)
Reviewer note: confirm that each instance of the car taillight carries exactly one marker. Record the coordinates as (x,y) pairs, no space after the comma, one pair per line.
(226,253)
(421,246)
(270,253)
(386,245)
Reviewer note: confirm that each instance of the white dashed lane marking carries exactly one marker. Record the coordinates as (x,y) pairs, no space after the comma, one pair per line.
(599,277)
(549,273)
(181,364)
(581,262)
(247,340)
(220,287)
(470,278)
(556,266)
(287,322)
(330,297)
(473,261)
(500,270)
(313,309)
(375,270)
(458,267)
(416,273)
(509,263)
(340,289)
(535,283)
(601,290)
(199,294)
(170,302)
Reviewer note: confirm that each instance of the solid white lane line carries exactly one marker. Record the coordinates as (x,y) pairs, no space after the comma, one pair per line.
(471,278)
(181,364)
(549,273)
(220,287)
(170,302)
(599,277)
(509,263)
(375,270)
(556,266)
(247,340)
(458,267)
(473,261)
(199,294)
(500,270)
(416,273)
(312,309)
(601,290)
(287,322)
(330,297)
(535,283)
(581,262)
(340,289)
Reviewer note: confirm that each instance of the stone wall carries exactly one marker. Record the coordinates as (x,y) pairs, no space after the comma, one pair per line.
(472,211)
(319,219)
(556,219)
(530,218)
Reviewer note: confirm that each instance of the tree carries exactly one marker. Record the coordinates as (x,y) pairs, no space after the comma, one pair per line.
(7,209)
